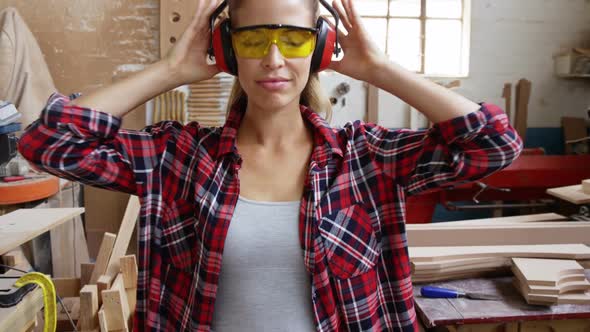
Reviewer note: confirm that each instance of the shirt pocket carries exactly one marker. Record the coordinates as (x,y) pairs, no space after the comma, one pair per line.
(350,242)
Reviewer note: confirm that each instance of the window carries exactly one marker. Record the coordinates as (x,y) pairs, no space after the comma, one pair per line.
(430,37)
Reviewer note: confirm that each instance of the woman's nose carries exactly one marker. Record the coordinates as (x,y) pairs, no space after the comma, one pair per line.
(274,58)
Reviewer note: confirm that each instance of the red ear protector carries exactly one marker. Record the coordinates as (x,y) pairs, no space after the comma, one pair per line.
(221,44)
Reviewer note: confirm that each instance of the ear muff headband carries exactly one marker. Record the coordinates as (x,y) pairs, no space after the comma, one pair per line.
(222,49)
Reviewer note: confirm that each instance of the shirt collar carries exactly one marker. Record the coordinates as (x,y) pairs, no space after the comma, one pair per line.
(325,140)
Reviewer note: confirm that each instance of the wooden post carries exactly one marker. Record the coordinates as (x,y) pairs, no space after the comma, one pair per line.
(88,308)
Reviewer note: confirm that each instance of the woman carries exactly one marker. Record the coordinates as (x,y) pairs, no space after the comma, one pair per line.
(290,186)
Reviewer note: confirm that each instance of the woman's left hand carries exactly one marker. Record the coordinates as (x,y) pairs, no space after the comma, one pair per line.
(362,56)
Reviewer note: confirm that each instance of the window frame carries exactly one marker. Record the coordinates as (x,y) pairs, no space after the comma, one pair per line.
(465,36)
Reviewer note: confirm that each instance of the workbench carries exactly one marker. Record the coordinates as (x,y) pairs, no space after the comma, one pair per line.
(511,313)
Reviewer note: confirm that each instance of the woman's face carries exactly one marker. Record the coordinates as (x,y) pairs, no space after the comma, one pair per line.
(251,72)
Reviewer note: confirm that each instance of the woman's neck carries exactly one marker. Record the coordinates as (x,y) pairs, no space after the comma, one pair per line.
(273,129)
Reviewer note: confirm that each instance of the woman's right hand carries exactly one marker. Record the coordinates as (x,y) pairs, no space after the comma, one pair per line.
(187,59)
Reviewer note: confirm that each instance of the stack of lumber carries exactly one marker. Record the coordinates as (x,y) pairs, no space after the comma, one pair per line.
(104,297)
(445,263)
(550,281)
(473,248)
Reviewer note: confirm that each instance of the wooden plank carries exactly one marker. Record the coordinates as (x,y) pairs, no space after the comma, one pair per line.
(103,283)
(86,273)
(581,298)
(573,194)
(129,271)
(541,217)
(546,272)
(477,267)
(104,254)
(443,264)
(116,305)
(561,251)
(123,236)
(573,129)
(23,225)
(523,95)
(16,258)
(102,321)
(372,104)
(586,187)
(15,318)
(67,287)
(564,287)
(174,19)
(68,241)
(507,95)
(88,308)
(459,265)
(516,234)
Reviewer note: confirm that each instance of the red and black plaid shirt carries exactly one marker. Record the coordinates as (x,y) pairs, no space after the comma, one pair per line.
(352,215)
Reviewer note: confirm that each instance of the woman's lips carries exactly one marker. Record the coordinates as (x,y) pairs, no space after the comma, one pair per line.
(273,85)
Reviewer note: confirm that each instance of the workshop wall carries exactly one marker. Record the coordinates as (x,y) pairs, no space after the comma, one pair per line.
(88,44)
(91,43)
(511,40)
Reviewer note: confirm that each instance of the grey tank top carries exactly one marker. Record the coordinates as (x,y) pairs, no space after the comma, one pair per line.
(263,284)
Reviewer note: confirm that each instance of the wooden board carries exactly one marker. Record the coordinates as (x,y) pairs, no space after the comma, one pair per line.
(523,95)
(474,267)
(516,234)
(67,287)
(443,264)
(546,272)
(564,287)
(116,305)
(23,225)
(586,187)
(451,264)
(104,254)
(573,194)
(174,19)
(562,251)
(123,236)
(541,217)
(576,298)
(507,95)
(15,318)
(88,308)
(573,129)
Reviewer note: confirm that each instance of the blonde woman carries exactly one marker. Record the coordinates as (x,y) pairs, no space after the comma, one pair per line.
(275,221)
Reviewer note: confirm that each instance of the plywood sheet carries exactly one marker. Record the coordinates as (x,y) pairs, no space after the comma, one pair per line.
(546,272)
(573,194)
(562,251)
(515,234)
(23,225)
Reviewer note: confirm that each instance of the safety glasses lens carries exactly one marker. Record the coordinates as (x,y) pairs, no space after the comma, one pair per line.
(255,43)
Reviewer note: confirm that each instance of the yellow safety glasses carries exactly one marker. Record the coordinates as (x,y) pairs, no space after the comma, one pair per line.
(254,41)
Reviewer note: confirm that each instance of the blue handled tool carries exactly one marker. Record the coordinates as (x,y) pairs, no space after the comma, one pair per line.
(446,293)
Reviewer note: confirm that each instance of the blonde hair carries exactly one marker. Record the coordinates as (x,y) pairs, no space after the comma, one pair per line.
(312,95)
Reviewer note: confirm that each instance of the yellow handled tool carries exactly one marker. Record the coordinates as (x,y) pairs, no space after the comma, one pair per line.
(48,296)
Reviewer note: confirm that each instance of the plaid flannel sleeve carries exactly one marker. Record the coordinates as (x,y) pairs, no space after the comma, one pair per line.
(88,146)
(452,152)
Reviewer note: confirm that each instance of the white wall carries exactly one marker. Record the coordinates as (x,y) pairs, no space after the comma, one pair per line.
(510,40)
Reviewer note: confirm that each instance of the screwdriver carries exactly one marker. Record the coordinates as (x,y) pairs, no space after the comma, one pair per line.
(446,293)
